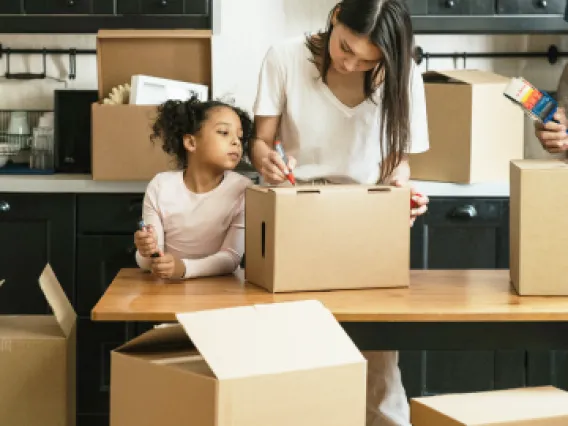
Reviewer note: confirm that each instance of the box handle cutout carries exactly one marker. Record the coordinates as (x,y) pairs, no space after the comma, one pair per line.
(377,190)
(263,238)
(307,191)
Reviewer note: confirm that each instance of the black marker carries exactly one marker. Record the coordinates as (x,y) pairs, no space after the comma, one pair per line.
(142,227)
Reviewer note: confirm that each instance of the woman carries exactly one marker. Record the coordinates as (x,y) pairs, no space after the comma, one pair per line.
(350,101)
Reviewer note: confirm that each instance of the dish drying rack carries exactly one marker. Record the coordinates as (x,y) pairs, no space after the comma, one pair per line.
(12,145)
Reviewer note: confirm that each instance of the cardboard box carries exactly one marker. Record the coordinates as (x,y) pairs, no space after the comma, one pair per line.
(37,362)
(538,224)
(122,149)
(278,364)
(326,237)
(474,130)
(538,406)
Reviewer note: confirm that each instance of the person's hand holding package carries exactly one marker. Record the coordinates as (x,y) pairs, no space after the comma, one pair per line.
(552,135)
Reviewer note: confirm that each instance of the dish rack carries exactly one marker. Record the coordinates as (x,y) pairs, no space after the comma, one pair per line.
(11,145)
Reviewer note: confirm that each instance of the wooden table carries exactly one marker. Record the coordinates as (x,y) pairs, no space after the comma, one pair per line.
(442,309)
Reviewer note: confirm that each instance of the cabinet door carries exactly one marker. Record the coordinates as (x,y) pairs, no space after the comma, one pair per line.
(57,7)
(531,7)
(196,7)
(95,341)
(463,233)
(161,7)
(109,213)
(10,7)
(35,229)
(461,7)
(99,258)
(417,7)
(548,368)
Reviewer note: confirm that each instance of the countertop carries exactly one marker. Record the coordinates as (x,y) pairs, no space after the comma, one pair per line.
(83,183)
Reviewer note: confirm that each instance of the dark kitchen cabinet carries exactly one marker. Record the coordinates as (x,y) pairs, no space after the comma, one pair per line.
(95,341)
(35,229)
(531,7)
(88,16)
(462,233)
(461,7)
(548,368)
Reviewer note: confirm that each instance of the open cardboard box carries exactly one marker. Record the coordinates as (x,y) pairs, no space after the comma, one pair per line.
(37,362)
(277,364)
(534,406)
(474,130)
(121,146)
(327,237)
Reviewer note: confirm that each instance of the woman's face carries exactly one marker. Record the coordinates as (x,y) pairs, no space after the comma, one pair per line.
(351,52)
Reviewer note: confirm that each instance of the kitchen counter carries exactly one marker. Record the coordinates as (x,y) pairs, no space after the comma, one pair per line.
(83,183)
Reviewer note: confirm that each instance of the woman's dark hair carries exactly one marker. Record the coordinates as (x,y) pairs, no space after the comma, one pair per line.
(179,118)
(388,25)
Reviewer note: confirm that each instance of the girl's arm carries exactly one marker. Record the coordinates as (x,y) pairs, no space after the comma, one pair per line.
(228,258)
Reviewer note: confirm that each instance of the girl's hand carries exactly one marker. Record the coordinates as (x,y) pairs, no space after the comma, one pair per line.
(553,136)
(167,266)
(418,202)
(145,241)
(273,168)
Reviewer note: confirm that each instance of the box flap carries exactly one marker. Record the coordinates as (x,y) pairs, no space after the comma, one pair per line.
(471,77)
(158,339)
(552,164)
(57,300)
(267,339)
(183,55)
(494,407)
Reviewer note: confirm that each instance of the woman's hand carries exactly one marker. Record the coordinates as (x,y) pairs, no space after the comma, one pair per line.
(551,135)
(418,202)
(272,167)
(145,241)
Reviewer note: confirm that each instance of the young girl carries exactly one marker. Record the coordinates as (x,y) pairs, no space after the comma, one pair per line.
(194,216)
(351,101)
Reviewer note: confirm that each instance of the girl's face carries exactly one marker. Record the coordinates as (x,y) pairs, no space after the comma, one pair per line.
(219,141)
(351,52)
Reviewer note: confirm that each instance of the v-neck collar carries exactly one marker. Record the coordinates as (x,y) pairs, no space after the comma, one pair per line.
(347,110)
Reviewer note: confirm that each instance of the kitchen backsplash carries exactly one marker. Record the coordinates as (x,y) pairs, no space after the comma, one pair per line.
(239,48)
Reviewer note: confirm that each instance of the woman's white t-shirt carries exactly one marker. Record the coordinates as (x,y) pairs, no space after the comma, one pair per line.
(317,128)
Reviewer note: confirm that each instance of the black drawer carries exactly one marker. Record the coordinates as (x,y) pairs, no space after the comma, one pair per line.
(531,7)
(162,7)
(109,213)
(417,7)
(461,7)
(57,7)
(196,7)
(448,210)
(10,7)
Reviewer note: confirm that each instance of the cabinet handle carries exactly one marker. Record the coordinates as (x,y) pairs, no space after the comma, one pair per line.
(542,4)
(163,3)
(464,212)
(450,4)
(4,207)
(70,3)
(131,250)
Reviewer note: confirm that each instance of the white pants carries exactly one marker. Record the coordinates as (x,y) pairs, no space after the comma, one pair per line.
(387,404)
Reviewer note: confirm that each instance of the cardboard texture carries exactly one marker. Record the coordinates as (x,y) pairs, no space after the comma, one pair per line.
(537,406)
(474,130)
(37,361)
(538,237)
(121,146)
(327,237)
(278,364)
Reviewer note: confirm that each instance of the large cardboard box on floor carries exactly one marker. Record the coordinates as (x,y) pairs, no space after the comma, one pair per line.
(539,227)
(474,130)
(122,149)
(277,364)
(37,362)
(537,406)
(327,237)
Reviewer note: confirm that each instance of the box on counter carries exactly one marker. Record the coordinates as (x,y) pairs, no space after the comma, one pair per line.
(327,237)
(536,406)
(277,364)
(474,130)
(539,227)
(37,361)
(121,146)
